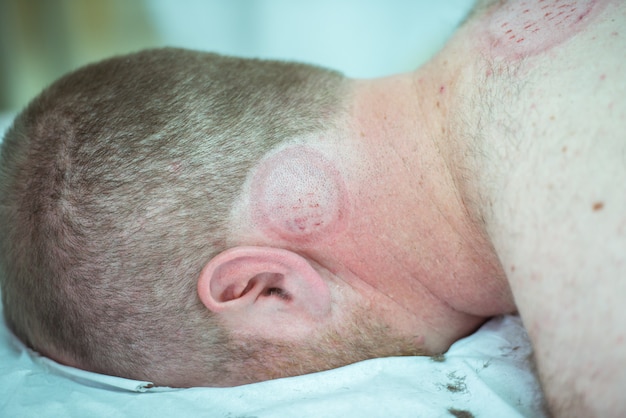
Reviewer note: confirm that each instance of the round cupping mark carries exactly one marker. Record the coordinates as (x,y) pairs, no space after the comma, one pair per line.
(529,27)
(299,195)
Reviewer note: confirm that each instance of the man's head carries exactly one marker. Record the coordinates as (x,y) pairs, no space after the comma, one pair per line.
(121,186)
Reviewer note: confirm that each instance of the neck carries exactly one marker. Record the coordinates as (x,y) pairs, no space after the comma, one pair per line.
(420,230)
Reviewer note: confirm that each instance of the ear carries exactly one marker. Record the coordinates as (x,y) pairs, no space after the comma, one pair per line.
(258,286)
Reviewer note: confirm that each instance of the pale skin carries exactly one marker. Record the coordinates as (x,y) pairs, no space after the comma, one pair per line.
(489,181)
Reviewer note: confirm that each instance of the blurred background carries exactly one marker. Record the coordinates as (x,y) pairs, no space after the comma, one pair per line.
(42,39)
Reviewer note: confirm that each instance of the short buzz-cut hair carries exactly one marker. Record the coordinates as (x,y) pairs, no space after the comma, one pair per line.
(116,186)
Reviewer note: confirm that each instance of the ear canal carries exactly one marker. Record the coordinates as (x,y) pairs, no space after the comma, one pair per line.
(262,284)
(274,285)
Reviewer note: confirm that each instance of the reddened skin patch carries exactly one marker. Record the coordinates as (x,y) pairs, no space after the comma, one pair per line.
(299,195)
(521,28)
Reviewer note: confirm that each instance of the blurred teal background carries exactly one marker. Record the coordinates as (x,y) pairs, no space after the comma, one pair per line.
(42,39)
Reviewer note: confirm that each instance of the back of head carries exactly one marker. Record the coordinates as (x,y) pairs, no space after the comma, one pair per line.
(116,185)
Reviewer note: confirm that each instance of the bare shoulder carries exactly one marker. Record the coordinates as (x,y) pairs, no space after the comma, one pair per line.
(545,109)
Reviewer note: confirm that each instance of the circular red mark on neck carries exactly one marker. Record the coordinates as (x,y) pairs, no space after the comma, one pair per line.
(528,27)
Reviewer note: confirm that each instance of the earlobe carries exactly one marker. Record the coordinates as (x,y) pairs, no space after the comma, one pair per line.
(263,281)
